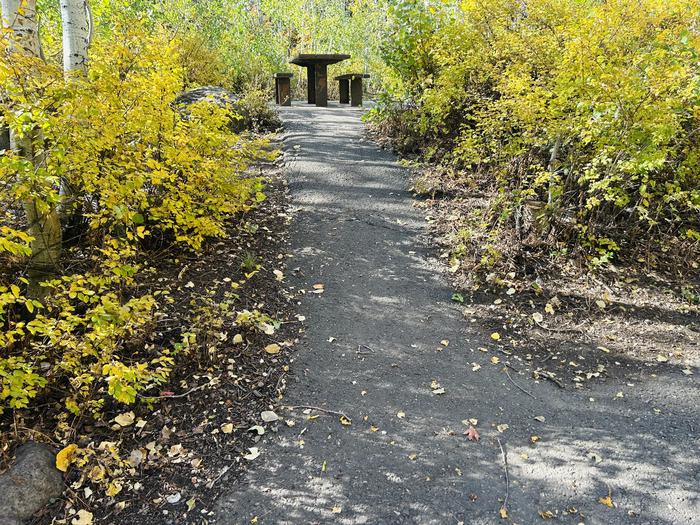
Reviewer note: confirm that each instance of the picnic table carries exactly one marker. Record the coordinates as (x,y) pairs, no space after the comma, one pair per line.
(316,65)
(350,87)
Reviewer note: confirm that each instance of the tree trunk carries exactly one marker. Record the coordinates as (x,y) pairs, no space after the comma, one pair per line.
(77,29)
(76,35)
(44,222)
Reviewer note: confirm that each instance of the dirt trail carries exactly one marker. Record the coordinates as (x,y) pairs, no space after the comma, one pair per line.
(372,350)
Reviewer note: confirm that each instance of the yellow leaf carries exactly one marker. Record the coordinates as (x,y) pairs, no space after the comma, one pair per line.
(227,428)
(496,336)
(607,501)
(345,421)
(96,473)
(274,348)
(64,457)
(113,489)
(237,339)
(503,513)
(495,360)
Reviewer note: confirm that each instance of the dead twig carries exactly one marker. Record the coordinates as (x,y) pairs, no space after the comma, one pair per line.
(178,396)
(517,385)
(504,508)
(360,352)
(548,375)
(319,409)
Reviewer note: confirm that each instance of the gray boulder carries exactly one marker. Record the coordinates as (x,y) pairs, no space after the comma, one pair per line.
(218,95)
(30,484)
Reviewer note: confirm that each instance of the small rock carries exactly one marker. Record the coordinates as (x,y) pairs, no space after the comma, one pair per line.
(30,484)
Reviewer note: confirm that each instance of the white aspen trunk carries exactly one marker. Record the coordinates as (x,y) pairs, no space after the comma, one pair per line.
(76,35)
(44,226)
(77,28)
(20,17)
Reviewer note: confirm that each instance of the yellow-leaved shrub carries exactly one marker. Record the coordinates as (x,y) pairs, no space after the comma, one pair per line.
(128,171)
(578,118)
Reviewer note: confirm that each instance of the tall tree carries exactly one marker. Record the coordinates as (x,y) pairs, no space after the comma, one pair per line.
(20,17)
(75,16)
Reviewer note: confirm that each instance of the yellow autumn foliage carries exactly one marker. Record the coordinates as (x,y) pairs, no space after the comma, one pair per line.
(128,171)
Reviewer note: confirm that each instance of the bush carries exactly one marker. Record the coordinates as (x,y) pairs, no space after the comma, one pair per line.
(578,118)
(115,158)
(257,114)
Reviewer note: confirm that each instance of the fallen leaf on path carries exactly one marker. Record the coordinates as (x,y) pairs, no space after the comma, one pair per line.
(401,414)
(546,514)
(173,498)
(83,518)
(503,513)
(495,360)
(534,439)
(125,419)
(258,429)
(472,434)
(607,501)
(540,419)
(273,348)
(502,428)
(475,367)
(661,358)
(496,336)
(64,457)
(445,342)
(337,510)
(278,275)
(345,421)
(254,453)
(413,457)
(227,428)
(268,416)
(537,317)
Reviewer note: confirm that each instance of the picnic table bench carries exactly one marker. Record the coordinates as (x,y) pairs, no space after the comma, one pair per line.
(350,87)
(316,65)
(283,88)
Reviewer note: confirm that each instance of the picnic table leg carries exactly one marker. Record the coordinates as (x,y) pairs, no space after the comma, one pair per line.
(356,91)
(344,87)
(311,83)
(322,85)
(285,91)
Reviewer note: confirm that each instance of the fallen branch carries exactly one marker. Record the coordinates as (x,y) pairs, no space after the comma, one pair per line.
(178,396)
(310,407)
(517,385)
(504,508)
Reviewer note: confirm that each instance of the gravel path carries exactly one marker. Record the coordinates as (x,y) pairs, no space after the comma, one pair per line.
(373,351)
